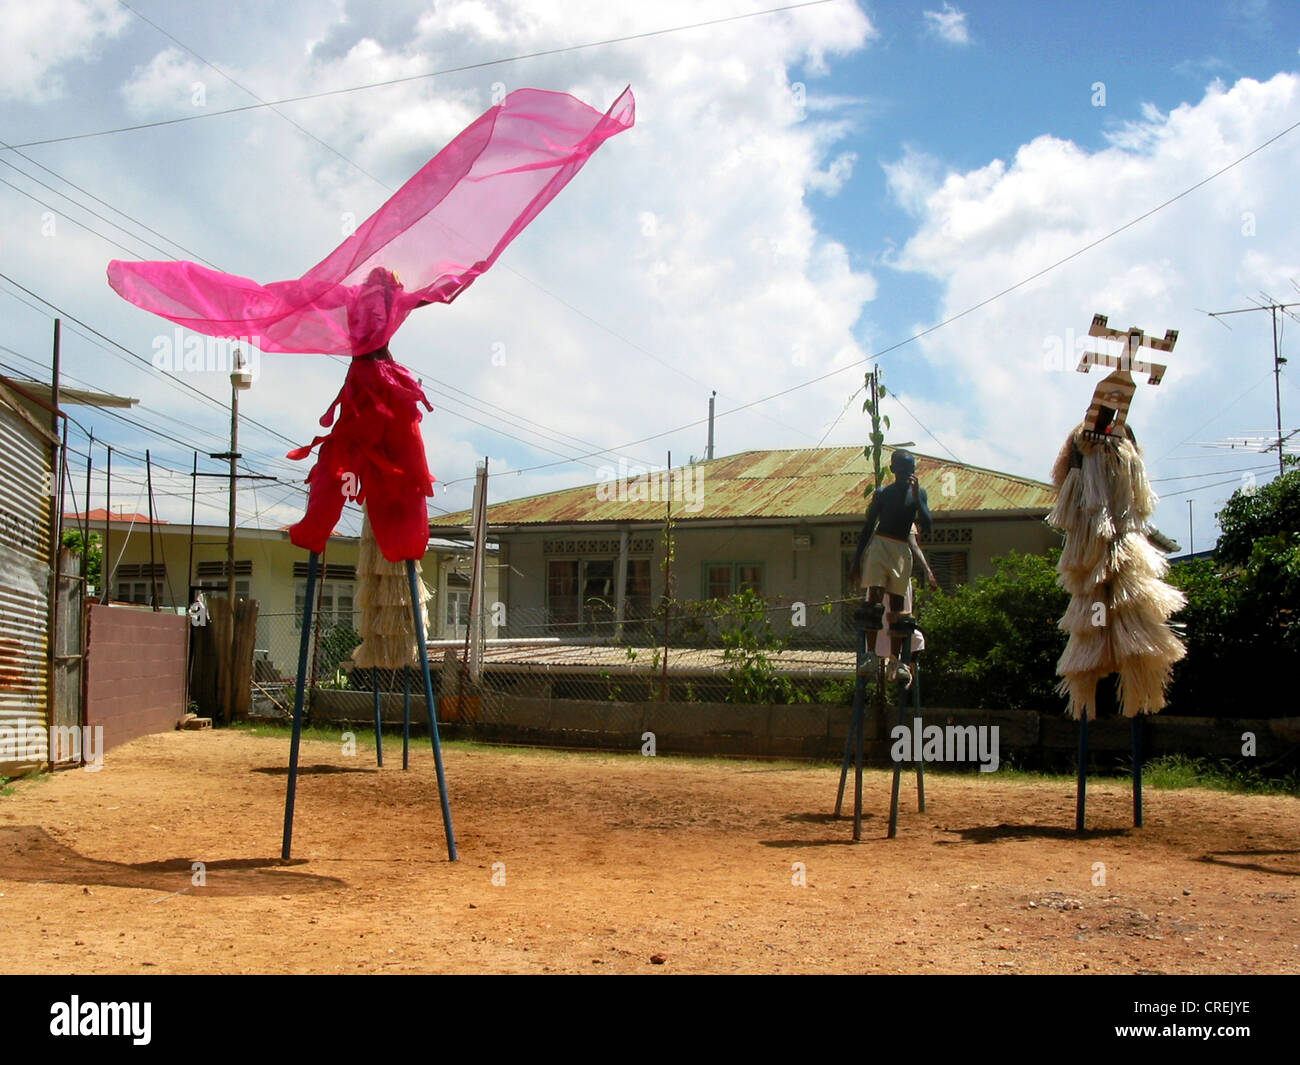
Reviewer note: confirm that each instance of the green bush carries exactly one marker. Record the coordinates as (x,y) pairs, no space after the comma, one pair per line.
(994,644)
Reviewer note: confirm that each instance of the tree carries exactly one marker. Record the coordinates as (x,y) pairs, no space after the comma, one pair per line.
(994,644)
(73,540)
(1256,513)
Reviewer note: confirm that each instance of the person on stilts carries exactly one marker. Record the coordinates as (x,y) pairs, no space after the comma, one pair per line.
(887,568)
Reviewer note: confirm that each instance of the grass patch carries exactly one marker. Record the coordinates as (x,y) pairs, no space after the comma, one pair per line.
(1165,772)
(1184,771)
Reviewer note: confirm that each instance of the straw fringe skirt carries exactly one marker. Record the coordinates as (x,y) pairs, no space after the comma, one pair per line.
(1118,617)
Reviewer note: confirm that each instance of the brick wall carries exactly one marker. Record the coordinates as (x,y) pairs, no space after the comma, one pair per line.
(136,662)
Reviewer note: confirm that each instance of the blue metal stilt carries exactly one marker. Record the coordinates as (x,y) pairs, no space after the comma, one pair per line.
(299,691)
(1137,770)
(406,717)
(855,719)
(916,721)
(1081,786)
(379,736)
(431,707)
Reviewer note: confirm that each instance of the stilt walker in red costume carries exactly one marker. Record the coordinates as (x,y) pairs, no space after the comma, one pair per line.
(426,244)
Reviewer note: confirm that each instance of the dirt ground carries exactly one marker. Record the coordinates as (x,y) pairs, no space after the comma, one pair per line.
(585,863)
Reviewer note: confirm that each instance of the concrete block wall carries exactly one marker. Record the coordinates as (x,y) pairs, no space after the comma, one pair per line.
(136,662)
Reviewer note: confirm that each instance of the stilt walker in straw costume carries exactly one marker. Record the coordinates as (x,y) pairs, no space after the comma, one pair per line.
(887,567)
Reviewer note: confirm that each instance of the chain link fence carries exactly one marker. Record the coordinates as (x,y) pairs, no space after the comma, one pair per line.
(742,650)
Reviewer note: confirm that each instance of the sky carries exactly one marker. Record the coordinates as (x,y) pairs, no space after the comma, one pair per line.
(949,192)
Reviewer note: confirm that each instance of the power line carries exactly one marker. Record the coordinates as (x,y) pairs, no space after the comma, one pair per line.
(422,77)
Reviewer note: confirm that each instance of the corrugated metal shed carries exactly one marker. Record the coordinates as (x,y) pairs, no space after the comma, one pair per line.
(808,484)
(25,513)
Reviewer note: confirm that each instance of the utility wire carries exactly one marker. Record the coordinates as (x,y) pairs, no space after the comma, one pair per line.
(421,77)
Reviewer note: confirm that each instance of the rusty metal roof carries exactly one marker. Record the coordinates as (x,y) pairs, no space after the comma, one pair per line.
(800,484)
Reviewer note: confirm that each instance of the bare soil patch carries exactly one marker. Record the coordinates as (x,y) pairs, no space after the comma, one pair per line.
(624,864)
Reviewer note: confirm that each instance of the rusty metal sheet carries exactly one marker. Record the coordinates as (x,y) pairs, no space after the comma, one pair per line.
(25,512)
(794,484)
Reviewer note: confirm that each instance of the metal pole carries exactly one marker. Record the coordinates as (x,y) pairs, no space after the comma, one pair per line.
(406,717)
(708,454)
(668,579)
(1277,393)
(55,500)
(299,690)
(905,656)
(153,580)
(105,565)
(1081,786)
(917,723)
(379,738)
(859,707)
(85,527)
(431,708)
(189,566)
(231,695)
(1137,770)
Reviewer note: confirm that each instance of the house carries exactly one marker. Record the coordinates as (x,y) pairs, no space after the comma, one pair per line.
(270,569)
(589,561)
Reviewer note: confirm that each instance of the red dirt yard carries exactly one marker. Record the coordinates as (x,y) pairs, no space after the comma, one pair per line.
(585,863)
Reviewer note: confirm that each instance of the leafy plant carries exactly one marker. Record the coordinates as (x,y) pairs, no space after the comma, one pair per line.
(995,643)
(748,640)
(337,682)
(94,556)
(336,643)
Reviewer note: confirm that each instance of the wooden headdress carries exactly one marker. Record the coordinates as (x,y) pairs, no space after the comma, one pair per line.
(1110,400)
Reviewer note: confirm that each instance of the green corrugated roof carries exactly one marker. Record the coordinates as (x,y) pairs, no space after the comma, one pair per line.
(794,484)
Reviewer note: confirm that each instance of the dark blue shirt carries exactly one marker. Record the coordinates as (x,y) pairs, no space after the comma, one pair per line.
(892,513)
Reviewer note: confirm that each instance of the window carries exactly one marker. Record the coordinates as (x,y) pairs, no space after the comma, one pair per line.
(335,605)
(582,594)
(851,594)
(636,596)
(950,568)
(562,600)
(217,588)
(722,579)
(456,610)
(133,583)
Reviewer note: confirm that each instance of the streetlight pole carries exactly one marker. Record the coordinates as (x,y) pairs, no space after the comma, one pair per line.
(240,379)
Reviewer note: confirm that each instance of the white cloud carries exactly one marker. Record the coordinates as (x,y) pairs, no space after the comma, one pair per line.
(984,230)
(170,83)
(948,24)
(686,241)
(39,38)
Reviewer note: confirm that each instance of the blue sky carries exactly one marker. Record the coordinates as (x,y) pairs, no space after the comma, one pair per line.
(802,190)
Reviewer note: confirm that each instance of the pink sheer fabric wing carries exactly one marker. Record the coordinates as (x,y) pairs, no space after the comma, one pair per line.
(437,233)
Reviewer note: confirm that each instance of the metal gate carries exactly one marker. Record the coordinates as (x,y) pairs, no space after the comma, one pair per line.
(69,644)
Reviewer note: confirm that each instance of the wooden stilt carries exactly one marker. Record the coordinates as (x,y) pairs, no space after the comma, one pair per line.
(299,691)
(431,708)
